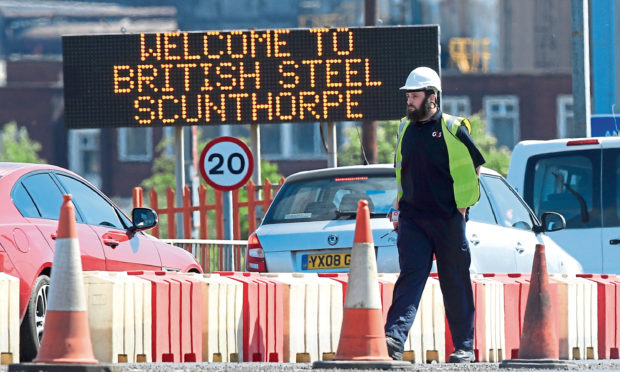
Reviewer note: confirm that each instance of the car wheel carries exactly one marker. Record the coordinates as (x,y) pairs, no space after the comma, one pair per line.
(32,326)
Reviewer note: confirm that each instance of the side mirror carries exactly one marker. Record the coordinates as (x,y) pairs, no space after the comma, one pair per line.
(552,221)
(143,218)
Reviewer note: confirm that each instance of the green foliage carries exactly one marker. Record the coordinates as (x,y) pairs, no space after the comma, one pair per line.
(16,145)
(163,169)
(270,171)
(351,154)
(496,158)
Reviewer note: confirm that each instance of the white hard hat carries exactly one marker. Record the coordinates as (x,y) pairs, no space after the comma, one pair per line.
(422,78)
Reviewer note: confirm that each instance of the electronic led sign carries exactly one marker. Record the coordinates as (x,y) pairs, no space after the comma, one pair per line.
(242,77)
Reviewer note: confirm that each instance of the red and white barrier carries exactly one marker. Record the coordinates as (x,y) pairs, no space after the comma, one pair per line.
(296,317)
(9,318)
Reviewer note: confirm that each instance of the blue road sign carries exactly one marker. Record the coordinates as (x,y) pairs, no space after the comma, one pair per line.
(604,125)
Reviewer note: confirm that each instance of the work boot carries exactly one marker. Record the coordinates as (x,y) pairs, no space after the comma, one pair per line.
(395,350)
(462,356)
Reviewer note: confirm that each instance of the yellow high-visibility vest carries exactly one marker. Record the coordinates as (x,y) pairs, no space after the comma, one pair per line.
(466,187)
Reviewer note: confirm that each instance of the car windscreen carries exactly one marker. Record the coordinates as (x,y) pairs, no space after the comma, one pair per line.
(332,198)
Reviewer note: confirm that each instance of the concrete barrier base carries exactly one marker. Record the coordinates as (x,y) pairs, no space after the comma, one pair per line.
(362,364)
(48,367)
(538,364)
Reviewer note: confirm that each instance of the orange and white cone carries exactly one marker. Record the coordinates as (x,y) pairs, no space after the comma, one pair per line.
(66,336)
(539,342)
(362,337)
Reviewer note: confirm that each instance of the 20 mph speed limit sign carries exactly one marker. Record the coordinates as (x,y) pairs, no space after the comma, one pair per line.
(226,163)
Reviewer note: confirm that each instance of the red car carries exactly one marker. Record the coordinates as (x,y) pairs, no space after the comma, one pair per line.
(30,196)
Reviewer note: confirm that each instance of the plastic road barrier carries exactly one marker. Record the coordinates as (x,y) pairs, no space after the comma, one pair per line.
(301,318)
(428,334)
(176,316)
(489,328)
(514,300)
(608,313)
(254,315)
(222,320)
(9,319)
(274,312)
(119,316)
(577,312)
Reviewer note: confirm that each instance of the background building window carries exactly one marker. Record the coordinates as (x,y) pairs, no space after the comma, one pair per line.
(84,154)
(456,105)
(502,116)
(284,141)
(271,139)
(565,114)
(306,139)
(135,144)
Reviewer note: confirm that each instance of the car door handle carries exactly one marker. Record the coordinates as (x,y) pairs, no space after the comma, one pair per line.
(474,239)
(614,241)
(519,248)
(111,242)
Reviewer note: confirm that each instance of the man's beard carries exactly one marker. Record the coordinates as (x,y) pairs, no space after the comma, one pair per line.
(417,115)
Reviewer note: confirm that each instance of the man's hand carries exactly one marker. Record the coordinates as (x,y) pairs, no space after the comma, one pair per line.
(395,224)
(462,211)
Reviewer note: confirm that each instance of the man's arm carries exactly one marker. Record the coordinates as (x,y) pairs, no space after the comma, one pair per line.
(476,156)
(463,135)
(464,210)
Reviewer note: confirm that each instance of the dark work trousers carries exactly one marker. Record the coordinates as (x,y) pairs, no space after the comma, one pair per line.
(418,239)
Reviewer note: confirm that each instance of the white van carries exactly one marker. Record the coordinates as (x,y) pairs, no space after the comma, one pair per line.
(579,178)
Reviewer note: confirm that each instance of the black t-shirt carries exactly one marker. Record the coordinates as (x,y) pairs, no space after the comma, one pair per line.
(425,169)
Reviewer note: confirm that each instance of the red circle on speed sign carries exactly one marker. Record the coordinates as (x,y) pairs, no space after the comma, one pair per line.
(226,163)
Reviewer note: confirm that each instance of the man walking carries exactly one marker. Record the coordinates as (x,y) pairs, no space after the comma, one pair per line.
(437,167)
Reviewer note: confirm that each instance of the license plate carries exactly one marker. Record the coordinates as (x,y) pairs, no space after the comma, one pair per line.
(325,261)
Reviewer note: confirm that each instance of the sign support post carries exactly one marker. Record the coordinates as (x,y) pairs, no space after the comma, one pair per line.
(227,209)
(255,147)
(581,69)
(226,164)
(179,174)
(332,145)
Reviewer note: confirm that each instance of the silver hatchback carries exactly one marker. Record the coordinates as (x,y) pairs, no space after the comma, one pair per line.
(310,225)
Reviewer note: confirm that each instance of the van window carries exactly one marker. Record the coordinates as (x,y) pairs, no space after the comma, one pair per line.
(567,183)
(611,187)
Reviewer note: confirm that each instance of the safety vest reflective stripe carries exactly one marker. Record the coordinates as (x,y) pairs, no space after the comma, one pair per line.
(401,127)
(449,121)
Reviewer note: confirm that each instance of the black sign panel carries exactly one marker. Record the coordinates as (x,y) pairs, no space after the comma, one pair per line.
(242,77)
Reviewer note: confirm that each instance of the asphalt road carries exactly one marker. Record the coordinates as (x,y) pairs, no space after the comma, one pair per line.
(590,365)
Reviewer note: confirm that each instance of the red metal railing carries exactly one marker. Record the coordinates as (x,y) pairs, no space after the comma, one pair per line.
(203,208)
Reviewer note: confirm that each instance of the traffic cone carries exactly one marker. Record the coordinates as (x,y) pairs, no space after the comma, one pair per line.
(539,342)
(362,338)
(66,336)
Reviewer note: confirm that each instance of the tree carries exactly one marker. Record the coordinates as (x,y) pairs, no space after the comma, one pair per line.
(496,158)
(16,145)
(351,154)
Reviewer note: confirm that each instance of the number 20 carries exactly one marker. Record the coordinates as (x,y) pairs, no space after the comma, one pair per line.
(220,161)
